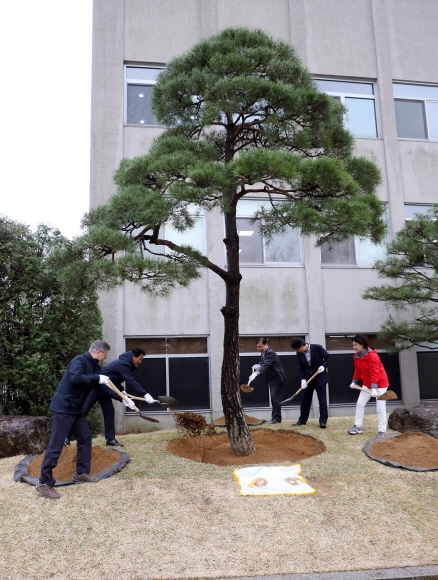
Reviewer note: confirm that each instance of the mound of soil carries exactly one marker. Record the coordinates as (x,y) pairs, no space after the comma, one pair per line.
(101,459)
(220,422)
(271,447)
(408,449)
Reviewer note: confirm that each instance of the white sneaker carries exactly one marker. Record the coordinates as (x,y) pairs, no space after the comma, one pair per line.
(355,430)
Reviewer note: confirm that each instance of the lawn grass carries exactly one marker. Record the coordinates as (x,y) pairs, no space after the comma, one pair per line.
(165,517)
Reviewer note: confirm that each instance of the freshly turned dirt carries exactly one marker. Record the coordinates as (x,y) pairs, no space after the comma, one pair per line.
(249,420)
(100,459)
(409,449)
(271,447)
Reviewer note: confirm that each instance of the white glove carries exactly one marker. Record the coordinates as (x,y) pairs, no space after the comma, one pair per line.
(129,404)
(321,369)
(253,376)
(103,380)
(374,393)
(255,368)
(353,386)
(303,384)
(149,399)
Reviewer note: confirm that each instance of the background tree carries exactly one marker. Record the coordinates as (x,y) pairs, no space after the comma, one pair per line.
(241,117)
(42,326)
(412,264)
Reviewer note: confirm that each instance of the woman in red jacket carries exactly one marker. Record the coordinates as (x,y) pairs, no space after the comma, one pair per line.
(369,369)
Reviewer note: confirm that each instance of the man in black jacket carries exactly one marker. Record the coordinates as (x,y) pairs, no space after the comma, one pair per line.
(81,375)
(118,371)
(312,358)
(271,366)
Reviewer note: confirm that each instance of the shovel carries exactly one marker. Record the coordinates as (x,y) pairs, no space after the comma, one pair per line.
(165,401)
(388,396)
(125,398)
(247,388)
(299,390)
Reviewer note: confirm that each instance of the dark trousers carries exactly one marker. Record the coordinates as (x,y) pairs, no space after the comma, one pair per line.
(62,424)
(106,404)
(306,403)
(276,398)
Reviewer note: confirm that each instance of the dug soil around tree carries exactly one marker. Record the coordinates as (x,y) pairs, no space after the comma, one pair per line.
(409,449)
(271,447)
(101,459)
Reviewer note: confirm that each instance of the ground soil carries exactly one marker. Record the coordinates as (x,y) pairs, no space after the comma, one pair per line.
(409,449)
(101,459)
(249,420)
(272,446)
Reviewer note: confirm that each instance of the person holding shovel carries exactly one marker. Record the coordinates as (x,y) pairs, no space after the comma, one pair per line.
(312,358)
(369,369)
(81,375)
(271,366)
(118,371)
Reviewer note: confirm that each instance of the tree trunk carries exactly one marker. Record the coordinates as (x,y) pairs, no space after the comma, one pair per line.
(237,428)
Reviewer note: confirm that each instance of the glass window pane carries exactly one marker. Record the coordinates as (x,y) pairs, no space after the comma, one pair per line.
(193,237)
(189,382)
(419,91)
(250,242)
(172,345)
(427,365)
(142,73)
(151,375)
(278,343)
(284,248)
(432,119)
(410,119)
(139,106)
(411,210)
(340,252)
(344,87)
(260,396)
(361,117)
(367,253)
(248,207)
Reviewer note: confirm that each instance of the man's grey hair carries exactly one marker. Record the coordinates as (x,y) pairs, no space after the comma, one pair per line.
(99,345)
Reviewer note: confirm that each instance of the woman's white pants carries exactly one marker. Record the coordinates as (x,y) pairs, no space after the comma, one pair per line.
(363,399)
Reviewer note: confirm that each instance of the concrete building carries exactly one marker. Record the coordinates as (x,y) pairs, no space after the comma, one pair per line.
(379,57)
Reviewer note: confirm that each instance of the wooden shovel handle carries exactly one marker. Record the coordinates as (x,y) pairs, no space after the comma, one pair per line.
(124,397)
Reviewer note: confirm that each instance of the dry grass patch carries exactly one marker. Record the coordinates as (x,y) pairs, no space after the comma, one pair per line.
(165,517)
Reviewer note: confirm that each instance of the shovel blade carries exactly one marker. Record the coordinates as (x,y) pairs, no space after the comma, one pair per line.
(148,418)
(167,402)
(246,388)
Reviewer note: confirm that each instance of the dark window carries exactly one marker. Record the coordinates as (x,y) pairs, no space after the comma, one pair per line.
(151,375)
(189,382)
(427,370)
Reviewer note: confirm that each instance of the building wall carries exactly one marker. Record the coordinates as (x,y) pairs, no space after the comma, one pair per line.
(374,40)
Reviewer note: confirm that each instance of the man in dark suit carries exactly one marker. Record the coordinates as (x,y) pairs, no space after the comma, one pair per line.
(271,366)
(312,358)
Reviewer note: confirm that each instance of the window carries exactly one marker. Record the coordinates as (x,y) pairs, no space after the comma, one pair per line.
(360,101)
(416,111)
(427,365)
(341,367)
(411,210)
(175,366)
(352,252)
(260,397)
(139,82)
(282,249)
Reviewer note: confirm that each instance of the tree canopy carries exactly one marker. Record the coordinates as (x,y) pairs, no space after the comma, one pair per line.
(242,118)
(42,325)
(412,265)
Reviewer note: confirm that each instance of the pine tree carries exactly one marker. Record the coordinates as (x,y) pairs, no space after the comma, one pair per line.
(241,116)
(412,265)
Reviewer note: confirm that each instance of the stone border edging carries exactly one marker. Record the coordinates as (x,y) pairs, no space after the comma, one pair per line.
(366,450)
(21,471)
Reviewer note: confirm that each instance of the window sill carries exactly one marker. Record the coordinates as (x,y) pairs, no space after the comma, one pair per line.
(272,265)
(349,267)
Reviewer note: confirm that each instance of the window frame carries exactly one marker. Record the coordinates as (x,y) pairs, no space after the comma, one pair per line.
(343,95)
(144,82)
(266,264)
(424,101)
(167,356)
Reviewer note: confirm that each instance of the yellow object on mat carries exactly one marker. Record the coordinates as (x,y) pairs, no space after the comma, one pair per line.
(272,480)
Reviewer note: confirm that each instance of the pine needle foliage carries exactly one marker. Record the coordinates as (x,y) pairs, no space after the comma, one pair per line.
(412,266)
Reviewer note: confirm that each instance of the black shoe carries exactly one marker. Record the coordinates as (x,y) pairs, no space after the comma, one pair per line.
(297,424)
(113,443)
(275,421)
(66,442)
(322,425)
